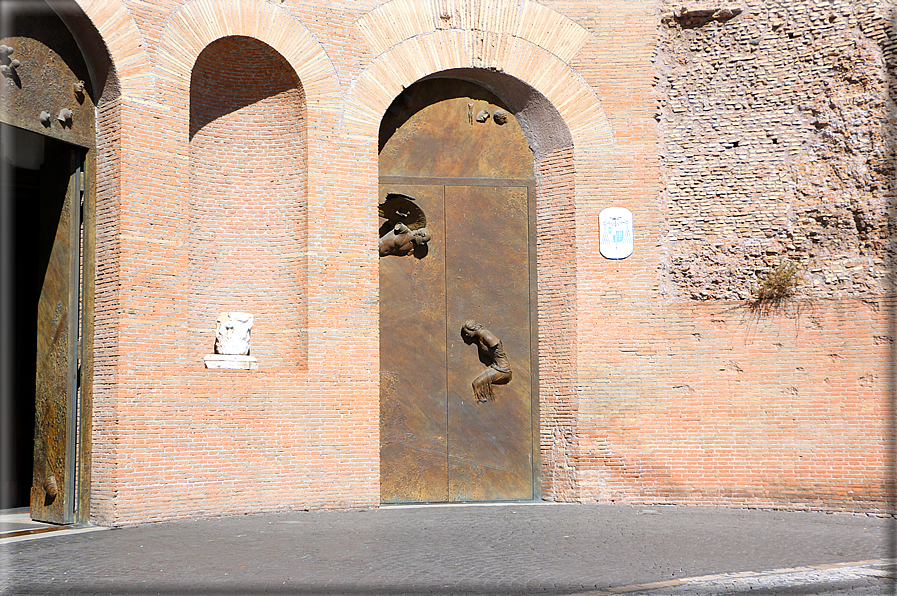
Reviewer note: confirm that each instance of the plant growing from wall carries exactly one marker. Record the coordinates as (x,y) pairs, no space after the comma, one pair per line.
(777,285)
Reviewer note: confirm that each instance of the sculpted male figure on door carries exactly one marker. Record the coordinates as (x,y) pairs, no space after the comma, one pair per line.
(492,353)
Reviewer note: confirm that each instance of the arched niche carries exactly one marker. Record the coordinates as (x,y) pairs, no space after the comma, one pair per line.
(248,196)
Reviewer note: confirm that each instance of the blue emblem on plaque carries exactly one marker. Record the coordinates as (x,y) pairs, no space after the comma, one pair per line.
(615,232)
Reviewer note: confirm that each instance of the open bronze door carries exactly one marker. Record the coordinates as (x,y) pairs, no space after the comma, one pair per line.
(456,186)
(47,142)
(58,202)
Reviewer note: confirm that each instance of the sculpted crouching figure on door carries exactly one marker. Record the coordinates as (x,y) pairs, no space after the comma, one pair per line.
(492,354)
(401,240)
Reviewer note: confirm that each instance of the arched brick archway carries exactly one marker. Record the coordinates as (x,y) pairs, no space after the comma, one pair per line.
(555,213)
(511,54)
(188,32)
(529,42)
(120,37)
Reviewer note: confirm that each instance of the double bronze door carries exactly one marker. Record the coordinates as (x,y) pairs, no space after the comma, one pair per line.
(438,443)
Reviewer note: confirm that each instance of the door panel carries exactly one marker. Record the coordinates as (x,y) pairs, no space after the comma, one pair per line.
(412,363)
(487,271)
(437,442)
(434,134)
(52,490)
(460,153)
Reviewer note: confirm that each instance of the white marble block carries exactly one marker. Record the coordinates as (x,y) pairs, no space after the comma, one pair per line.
(231,362)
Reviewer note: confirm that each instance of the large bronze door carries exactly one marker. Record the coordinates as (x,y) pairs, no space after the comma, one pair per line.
(57,202)
(467,180)
(47,137)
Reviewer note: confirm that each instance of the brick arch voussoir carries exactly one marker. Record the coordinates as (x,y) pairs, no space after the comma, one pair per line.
(125,44)
(424,55)
(198,23)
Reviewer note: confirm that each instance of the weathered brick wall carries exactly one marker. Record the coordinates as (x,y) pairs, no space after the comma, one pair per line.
(778,132)
(557,321)
(722,405)
(658,382)
(105,341)
(775,137)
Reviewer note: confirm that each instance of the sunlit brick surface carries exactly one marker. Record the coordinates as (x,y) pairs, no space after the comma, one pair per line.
(248,196)
(238,170)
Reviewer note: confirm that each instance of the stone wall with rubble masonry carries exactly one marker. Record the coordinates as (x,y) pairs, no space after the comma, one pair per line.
(777,130)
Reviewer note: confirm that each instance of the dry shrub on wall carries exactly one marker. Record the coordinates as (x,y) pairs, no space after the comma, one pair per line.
(776,287)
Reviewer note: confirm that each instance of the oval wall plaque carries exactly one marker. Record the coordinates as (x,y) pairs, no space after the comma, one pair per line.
(615,226)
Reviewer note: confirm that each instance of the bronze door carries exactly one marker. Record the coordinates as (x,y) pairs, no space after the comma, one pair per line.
(48,130)
(438,442)
(58,286)
(413,423)
(487,279)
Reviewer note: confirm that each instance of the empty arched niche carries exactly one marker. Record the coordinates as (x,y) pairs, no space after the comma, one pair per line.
(248,175)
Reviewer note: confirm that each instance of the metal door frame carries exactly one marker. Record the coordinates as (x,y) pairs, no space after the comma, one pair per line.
(75,355)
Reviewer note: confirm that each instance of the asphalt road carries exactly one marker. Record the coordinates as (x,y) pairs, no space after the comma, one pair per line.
(503,550)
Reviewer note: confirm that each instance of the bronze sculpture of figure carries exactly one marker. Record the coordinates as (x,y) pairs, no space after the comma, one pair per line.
(498,371)
(405,229)
(401,240)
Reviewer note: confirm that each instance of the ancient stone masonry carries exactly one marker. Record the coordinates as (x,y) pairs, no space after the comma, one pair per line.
(777,131)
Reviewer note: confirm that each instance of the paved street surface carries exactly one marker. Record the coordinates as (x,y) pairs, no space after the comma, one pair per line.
(522,548)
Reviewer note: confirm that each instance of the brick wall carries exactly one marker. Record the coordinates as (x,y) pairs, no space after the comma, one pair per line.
(658,380)
(105,352)
(557,325)
(729,406)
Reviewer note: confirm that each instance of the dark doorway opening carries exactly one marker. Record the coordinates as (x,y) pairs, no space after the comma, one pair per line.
(41,293)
